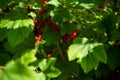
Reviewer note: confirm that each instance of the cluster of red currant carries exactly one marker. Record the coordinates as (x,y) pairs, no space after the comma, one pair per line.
(39,25)
(41,22)
(48,54)
(68,37)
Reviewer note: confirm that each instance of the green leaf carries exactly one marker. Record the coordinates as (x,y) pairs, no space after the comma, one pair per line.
(4,58)
(78,50)
(102,69)
(113,58)
(0,73)
(4,3)
(60,15)
(16,15)
(54,2)
(46,66)
(67,68)
(28,56)
(52,72)
(28,43)
(87,6)
(16,36)
(32,14)
(22,4)
(92,1)
(5,23)
(67,28)
(109,20)
(41,76)
(87,53)
(88,63)
(3,33)
(100,53)
(114,34)
(71,1)
(9,24)
(14,70)
(50,36)
(18,27)
(16,19)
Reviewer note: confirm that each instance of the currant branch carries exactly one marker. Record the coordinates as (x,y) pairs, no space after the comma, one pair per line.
(2,67)
(61,53)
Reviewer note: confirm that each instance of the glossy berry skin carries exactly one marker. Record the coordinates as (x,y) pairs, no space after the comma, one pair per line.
(48,21)
(48,54)
(74,34)
(42,11)
(35,22)
(55,26)
(38,34)
(39,25)
(45,2)
(38,38)
(68,37)
(42,25)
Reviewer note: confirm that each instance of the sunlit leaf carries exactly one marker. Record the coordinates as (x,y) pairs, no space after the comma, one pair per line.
(46,66)
(54,2)
(16,71)
(16,27)
(87,6)
(16,36)
(28,57)
(87,53)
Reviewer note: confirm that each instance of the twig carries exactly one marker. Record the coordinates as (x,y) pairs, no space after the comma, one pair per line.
(61,53)
(2,67)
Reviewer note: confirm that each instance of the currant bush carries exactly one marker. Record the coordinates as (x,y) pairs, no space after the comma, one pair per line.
(59,40)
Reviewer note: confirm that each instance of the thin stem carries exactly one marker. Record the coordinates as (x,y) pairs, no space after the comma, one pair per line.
(61,53)
(2,67)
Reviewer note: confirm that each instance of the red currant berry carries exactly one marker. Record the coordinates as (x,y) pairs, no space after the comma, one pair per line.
(42,12)
(38,38)
(66,38)
(48,21)
(101,6)
(48,54)
(74,34)
(42,25)
(56,27)
(35,22)
(44,2)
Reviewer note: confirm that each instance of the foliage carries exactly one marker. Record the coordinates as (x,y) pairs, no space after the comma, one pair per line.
(59,39)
